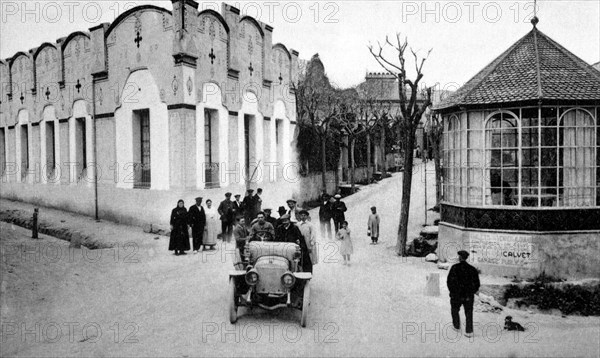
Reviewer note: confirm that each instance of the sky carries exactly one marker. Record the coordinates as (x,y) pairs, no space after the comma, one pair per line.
(464,35)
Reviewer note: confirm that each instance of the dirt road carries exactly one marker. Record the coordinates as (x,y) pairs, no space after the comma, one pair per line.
(138,299)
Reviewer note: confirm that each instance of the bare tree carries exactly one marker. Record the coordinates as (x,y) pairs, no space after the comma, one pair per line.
(317,106)
(410,115)
(373,115)
(351,110)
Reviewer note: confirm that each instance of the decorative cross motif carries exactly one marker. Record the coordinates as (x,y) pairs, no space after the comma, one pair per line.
(138,39)
(47,93)
(280,78)
(78,86)
(22,98)
(212,56)
(251,68)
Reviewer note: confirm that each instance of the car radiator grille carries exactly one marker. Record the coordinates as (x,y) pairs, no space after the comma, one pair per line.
(270,270)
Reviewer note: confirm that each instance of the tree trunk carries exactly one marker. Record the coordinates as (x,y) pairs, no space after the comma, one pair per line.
(337,175)
(324,162)
(368,158)
(383,159)
(352,141)
(409,138)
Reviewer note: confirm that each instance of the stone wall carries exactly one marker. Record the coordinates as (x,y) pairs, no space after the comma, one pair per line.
(570,255)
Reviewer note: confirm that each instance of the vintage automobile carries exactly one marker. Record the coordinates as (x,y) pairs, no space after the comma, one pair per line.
(269,276)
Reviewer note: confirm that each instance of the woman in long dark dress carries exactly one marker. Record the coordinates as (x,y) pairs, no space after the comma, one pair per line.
(180,238)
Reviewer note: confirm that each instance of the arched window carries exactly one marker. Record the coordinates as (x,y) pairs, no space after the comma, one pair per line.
(577,158)
(502,160)
(452,148)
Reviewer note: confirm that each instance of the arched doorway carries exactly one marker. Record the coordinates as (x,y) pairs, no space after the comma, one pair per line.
(50,155)
(250,131)
(142,134)
(212,133)
(80,145)
(282,144)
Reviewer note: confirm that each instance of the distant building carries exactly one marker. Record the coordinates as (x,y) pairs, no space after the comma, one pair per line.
(385,85)
(521,183)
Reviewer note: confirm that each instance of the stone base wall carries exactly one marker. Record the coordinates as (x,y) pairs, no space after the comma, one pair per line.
(133,206)
(148,206)
(569,255)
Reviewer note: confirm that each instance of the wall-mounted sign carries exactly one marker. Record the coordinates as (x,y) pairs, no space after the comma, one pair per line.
(503,250)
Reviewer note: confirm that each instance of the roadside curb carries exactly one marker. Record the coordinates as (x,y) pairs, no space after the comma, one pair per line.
(76,238)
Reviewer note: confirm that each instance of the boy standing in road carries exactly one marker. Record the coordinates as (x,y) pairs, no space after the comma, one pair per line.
(373,226)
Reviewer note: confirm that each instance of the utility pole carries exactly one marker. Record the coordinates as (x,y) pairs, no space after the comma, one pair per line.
(425,175)
(425,157)
(94,135)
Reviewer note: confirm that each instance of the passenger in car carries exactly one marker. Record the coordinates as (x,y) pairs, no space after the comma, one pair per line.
(287,232)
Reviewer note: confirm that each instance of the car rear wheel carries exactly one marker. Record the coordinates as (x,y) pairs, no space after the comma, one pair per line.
(305,304)
(232,302)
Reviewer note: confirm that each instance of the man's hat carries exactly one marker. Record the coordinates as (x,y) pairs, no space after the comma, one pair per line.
(228,194)
(281,210)
(250,190)
(267,209)
(285,218)
(237,195)
(199,198)
(337,196)
(463,254)
(291,200)
(303,212)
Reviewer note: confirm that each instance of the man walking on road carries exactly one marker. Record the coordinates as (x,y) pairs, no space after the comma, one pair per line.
(463,283)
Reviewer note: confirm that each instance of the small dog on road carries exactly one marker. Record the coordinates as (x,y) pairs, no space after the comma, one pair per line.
(509,325)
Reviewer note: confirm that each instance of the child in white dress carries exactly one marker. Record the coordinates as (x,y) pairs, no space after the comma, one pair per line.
(346,248)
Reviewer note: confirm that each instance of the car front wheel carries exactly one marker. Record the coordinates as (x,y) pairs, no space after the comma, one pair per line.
(232,302)
(305,304)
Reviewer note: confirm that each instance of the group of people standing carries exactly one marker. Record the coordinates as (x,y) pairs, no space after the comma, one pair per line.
(229,210)
(331,208)
(202,219)
(240,219)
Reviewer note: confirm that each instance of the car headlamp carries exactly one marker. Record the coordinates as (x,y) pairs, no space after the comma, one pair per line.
(288,280)
(252,277)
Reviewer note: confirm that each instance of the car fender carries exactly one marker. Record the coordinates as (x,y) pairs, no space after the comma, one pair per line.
(303,275)
(236,273)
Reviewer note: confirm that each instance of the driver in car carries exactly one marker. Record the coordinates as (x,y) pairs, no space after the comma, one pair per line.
(262,229)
